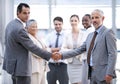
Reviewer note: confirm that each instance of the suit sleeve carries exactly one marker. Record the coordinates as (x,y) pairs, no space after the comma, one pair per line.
(25,41)
(112,51)
(74,52)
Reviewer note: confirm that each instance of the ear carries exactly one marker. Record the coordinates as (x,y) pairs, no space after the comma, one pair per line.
(103,18)
(18,12)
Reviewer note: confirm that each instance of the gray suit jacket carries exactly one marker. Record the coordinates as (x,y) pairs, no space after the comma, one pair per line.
(17,44)
(103,53)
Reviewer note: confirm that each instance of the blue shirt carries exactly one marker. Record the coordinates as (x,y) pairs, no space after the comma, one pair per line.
(98,30)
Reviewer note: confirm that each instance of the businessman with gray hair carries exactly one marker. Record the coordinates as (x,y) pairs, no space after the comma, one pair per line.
(101,51)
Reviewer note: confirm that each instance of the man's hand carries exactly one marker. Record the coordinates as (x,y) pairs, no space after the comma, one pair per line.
(108,79)
(56,56)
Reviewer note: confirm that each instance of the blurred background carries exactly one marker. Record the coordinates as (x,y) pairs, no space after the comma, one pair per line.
(45,10)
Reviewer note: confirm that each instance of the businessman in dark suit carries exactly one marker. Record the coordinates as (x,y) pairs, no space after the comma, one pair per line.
(103,54)
(17,60)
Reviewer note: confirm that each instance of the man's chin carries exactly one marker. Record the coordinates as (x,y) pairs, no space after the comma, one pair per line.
(25,20)
(95,25)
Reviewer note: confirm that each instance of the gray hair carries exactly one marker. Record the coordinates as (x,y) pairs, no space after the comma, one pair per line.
(29,22)
(99,11)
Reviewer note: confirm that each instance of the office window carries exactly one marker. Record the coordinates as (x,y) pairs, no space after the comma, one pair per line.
(118,14)
(44,15)
(67,11)
(118,17)
(40,14)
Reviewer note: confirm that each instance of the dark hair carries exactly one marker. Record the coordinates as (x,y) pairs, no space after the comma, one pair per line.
(58,18)
(75,16)
(19,8)
(88,15)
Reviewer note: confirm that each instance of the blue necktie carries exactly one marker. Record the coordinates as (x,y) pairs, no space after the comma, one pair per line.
(56,44)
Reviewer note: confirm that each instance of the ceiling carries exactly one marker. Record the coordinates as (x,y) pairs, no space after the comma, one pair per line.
(69,2)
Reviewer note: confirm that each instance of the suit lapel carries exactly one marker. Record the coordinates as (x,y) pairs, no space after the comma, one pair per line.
(99,36)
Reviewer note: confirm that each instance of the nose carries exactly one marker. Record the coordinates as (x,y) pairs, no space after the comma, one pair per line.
(57,26)
(93,19)
(83,22)
(28,14)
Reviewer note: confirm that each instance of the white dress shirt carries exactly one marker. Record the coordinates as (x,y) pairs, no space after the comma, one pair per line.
(51,40)
(24,24)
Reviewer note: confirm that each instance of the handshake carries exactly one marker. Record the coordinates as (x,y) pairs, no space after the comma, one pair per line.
(56,56)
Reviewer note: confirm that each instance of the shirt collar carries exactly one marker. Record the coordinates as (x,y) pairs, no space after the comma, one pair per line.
(59,32)
(24,24)
(99,29)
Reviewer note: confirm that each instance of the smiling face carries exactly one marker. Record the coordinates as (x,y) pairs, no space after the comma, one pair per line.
(86,22)
(74,21)
(58,25)
(97,19)
(32,29)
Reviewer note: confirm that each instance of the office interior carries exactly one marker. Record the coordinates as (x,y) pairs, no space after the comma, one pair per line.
(45,10)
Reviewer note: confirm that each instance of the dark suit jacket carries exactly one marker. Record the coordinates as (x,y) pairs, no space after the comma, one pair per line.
(17,44)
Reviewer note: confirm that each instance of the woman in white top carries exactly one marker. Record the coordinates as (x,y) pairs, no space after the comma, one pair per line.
(73,40)
(38,64)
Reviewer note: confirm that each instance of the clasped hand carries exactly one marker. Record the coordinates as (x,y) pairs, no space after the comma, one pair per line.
(56,56)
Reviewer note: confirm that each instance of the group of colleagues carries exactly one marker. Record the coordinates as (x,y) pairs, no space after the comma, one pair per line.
(64,55)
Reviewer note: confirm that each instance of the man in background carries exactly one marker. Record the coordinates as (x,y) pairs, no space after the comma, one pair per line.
(87,24)
(58,69)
